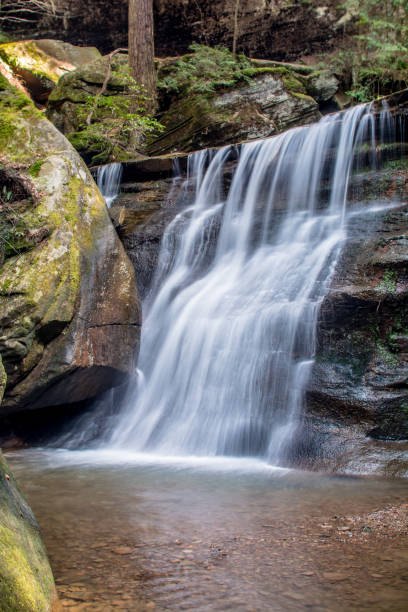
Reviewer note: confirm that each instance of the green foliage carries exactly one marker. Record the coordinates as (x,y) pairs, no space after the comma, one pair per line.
(378,62)
(34,170)
(388,283)
(115,119)
(204,71)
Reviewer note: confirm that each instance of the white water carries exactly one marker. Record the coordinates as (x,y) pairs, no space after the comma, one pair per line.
(108,180)
(229,336)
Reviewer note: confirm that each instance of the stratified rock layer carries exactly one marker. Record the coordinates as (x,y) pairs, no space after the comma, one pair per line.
(276,29)
(267,105)
(69,310)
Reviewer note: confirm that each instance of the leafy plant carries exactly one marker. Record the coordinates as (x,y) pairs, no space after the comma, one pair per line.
(115,119)
(204,71)
(378,62)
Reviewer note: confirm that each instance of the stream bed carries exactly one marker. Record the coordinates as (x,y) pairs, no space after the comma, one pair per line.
(139,532)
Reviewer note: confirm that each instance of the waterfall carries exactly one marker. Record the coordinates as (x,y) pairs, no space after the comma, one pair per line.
(108,181)
(229,335)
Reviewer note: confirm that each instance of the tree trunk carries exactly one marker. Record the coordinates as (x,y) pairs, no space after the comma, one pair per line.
(235,36)
(141,48)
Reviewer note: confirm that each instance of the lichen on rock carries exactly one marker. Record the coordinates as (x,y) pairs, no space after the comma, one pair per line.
(70,316)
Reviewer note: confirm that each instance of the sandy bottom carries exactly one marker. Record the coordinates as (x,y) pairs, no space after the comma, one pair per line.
(139,533)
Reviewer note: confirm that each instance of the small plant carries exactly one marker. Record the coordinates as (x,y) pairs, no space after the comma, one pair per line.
(6,194)
(204,71)
(108,122)
(389,282)
(377,63)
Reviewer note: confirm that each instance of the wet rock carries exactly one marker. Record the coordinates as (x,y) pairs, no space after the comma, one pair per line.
(123,550)
(359,381)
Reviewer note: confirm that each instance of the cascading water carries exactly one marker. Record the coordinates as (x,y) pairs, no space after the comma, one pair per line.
(108,180)
(229,336)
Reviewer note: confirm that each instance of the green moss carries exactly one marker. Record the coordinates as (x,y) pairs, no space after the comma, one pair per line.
(302,96)
(26,581)
(385,355)
(204,71)
(34,170)
(389,282)
(293,85)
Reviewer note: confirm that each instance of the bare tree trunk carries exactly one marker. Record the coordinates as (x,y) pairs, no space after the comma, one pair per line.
(141,48)
(235,36)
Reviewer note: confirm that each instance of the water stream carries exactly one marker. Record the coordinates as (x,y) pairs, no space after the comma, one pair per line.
(228,340)
(108,180)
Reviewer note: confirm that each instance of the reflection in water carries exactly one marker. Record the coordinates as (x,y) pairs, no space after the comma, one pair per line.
(226,535)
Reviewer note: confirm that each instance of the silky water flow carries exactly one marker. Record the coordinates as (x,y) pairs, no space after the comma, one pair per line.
(108,180)
(229,335)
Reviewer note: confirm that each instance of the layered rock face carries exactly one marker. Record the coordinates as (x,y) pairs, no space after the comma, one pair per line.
(357,398)
(264,107)
(276,29)
(69,310)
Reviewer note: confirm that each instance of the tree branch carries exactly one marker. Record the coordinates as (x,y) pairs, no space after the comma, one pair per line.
(105,84)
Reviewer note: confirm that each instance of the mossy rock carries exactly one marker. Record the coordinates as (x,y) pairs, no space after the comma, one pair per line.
(69,311)
(322,85)
(40,64)
(70,102)
(258,109)
(26,580)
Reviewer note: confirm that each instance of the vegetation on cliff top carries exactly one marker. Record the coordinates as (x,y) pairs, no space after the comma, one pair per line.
(377,62)
(109,124)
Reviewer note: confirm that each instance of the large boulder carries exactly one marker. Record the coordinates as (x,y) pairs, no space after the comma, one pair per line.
(26,580)
(69,309)
(39,64)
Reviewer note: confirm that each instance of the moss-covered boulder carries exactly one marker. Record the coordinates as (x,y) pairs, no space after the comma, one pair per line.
(69,310)
(40,63)
(206,99)
(271,102)
(26,580)
(114,133)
